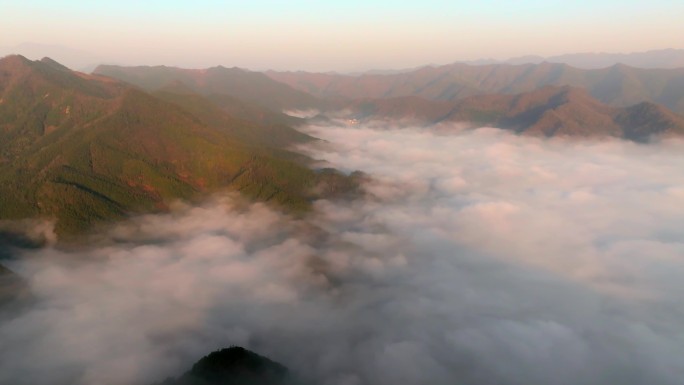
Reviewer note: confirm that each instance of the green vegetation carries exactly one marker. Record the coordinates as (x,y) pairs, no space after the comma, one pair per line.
(248,123)
(86,150)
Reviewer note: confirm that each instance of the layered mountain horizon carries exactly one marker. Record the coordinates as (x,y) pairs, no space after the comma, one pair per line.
(133,139)
(544,99)
(548,111)
(83,60)
(619,85)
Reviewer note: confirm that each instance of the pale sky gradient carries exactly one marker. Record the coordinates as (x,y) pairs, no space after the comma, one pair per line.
(338,35)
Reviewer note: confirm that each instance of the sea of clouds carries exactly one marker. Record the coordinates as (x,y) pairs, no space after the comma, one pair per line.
(475,257)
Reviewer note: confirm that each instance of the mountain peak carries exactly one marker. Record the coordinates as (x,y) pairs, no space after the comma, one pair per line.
(220,68)
(234,366)
(54,64)
(14,61)
(651,112)
(643,120)
(648,106)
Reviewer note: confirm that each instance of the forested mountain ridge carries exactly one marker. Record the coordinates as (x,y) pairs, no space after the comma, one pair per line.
(85,149)
(548,111)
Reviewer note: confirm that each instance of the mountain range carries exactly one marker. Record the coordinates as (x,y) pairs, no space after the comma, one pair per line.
(81,150)
(660,58)
(85,149)
(618,86)
(249,86)
(548,111)
(521,98)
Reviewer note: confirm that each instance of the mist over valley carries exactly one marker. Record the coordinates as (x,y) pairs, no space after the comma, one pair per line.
(477,256)
(341,193)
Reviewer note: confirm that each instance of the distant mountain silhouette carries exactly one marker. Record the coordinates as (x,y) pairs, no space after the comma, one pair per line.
(662,58)
(253,87)
(618,86)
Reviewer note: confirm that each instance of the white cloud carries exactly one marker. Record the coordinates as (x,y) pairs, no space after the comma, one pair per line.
(476,257)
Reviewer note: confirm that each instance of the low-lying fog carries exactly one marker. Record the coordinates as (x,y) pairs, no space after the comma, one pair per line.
(476,257)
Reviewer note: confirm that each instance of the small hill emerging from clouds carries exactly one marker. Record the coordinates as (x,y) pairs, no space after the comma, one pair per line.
(86,149)
(234,366)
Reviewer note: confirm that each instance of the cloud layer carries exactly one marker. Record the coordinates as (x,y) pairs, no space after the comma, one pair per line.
(476,257)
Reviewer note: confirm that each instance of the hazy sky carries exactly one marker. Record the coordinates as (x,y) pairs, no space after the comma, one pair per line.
(338,35)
